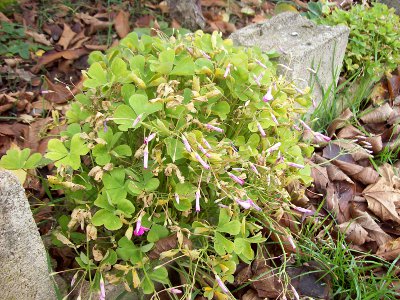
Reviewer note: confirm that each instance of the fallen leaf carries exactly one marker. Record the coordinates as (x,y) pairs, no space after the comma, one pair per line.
(264,280)
(52,56)
(66,37)
(381,198)
(354,232)
(393,86)
(251,295)
(56,92)
(121,24)
(370,225)
(365,175)
(390,250)
(166,244)
(340,122)
(38,37)
(348,132)
(310,280)
(377,115)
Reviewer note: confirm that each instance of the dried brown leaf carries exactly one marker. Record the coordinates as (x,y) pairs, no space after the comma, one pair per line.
(251,295)
(381,198)
(370,225)
(365,175)
(340,122)
(377,115)
(66,37)
(348,132)
(121,24)
(390,250)
(354,232)
(166,244)
(56,92)
(38,37)
(52,56)
(264,280)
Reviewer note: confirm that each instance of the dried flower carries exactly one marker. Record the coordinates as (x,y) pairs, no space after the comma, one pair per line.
(268,96)
(227,70)
(212,127)
(201,161)
(235,178)
(261,130)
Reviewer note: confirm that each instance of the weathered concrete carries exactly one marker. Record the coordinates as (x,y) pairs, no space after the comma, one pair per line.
(392,3)
(304,47)
(24,269)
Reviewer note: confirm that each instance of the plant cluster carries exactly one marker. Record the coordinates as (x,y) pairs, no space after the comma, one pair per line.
(374,41)
(178,150)
(13,41)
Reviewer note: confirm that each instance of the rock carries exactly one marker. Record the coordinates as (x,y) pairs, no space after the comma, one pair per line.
(392,3)
(311,55)
(23,259)
(187,12)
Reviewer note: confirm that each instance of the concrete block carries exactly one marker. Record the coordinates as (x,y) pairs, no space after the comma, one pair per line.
(311,55)
(24,269)
(392,3)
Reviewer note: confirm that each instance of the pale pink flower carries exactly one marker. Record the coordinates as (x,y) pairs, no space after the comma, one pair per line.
(291,242)
(175,291)
(105,126)
(227,70)
(246,204)
(177,198)
(205,54)
(102,289)
(294,165)
(235,178)
(204,151)
(274,119)
(186,144)
(215,128)
(198,200)
(149,138)
(320,136)
(137,120)
(261,130)
(139,230)
(221,284)
(207,143)
(296,295)
(253,167)
(305,125)
(146,156)
(274,147)
(261,64)
(268,96)
(201,161)
(258,78)
(222,205)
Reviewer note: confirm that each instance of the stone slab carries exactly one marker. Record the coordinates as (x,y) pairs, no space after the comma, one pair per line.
(24,270)
(311,55)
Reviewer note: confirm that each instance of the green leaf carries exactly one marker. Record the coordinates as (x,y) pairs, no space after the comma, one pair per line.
(184,66)
(61,156)
(141,105)
(222,245)
(243,247)
(128,251)
(157,232)
(175,148)
(160,275)
(124,117)
(232,227)
(97,76)
(151,185)
(126,207)
(147,285)
(122,151)
(222,109)
(106,218)
(114,185)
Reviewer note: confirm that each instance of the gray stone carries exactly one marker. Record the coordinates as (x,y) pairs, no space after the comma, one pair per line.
(392,3)
(24,270)
(311,55)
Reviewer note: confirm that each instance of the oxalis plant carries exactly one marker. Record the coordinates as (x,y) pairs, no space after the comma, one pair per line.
(177,153)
